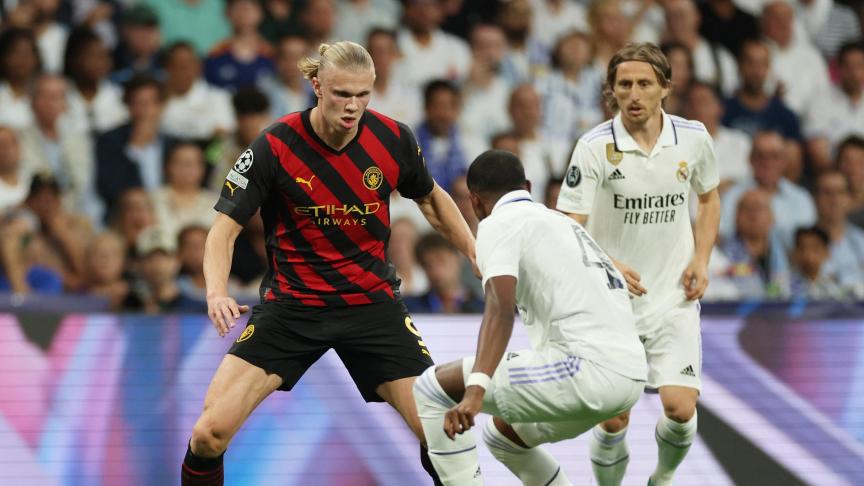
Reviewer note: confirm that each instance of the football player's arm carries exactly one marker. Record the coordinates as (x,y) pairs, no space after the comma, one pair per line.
(218,252)
(443,214)
(695,278)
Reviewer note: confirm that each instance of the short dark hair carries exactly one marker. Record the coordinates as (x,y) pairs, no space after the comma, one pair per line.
(250,101)
(853,141)
(436,85)
(496,172)
(8,38)
(381,31)
(430,242)
(849,48)
(174,47)
(139,82)
(79,39)
(812,231)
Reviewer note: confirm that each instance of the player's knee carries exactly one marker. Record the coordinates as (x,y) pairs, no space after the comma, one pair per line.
(680,410)
(617,424)
(208,439)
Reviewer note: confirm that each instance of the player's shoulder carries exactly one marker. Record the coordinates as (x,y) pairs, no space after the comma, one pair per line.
(688,128)
(377,120)
(599,135)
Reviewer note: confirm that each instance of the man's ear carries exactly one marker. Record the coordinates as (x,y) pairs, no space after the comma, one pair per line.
(528,185)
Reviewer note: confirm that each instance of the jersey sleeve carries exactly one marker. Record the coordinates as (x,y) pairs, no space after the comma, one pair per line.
(499,249)
(705,176)
(415,181)
(581,180)
(249,182)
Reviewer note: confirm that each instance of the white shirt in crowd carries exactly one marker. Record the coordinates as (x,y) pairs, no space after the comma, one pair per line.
(563,284)
(52,44)
(199,113)
(13,195)
(570,108)
(732,148)
(803,72)
(834,117)
(637,202)
(354,20)
(548,25)
(484,109)
(715,65)
(15,111)
(402,101)
(543,158)
(446,57)
(104,112)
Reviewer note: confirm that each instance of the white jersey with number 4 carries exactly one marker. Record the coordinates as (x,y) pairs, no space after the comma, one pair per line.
(569,294)
(638,202)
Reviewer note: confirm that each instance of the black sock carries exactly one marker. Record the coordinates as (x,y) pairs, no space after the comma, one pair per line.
(201,471)
(427,465)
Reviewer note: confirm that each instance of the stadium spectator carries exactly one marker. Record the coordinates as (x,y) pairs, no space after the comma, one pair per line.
(681,61)
(850,161)
(731,146)
(791,205)
(95,104)
(712,63)
(757,259)
(485,91)
(133,154)
(446,148)
(809,278)
(194,109)
(133,214)
(799,87)
(610,29)
(753,109)
(14,178)
(182,201)
(427,51)
(245,57)
(506,141)
(441,262)
(725,23)
(317,21)
(571,92)
(140,40)
(158,268)
(49,145)
(98,16)
(253,115)
(21,272)
(190,252)
(356,19)
(279,19)
(839,111)
(846,255)
(840,25)
(553,19)
(553,188)
(104,269)
(19,66)
(392,94)
(462,197)
(50,34)
(287,90)
(199,22)
(526,56)
(400,250)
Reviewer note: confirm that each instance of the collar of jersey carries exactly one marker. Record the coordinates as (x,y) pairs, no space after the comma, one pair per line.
(307,124)
(512,196)
(624,141)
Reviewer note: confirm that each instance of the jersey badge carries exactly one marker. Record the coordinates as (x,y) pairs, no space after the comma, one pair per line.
(574,176)
(683,173)
(372,178)
(301,180)
(613,155)
(247,333)
(244,162)
(238,180)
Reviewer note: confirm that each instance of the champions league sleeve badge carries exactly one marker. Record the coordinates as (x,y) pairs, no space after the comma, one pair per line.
(244,162)
(574,176)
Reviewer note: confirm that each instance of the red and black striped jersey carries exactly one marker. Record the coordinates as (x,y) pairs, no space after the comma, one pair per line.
(326,213)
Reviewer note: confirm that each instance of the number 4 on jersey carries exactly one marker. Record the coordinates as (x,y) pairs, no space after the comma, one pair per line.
(600,259)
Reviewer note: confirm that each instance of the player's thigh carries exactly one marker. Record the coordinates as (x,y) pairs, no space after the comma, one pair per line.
(379,344)
(400,395)
(674,348)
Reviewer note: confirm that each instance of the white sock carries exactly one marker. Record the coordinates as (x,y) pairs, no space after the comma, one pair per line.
(673,442)
(455,460)
(609,455)
(534,466)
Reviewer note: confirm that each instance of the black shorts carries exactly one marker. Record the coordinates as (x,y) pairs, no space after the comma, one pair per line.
(377,342)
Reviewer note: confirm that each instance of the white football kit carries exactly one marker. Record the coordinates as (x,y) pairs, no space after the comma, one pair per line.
(638,213)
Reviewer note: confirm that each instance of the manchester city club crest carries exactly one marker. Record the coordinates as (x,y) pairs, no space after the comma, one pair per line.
(372,178)
(574,176)
(683,173)
(244,162)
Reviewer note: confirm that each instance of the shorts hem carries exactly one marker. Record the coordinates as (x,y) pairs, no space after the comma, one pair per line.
(657,386)
(373,396)
(267,369)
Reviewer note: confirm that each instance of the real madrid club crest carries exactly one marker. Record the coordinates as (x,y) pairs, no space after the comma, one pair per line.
(244,162)
(574,176)
(683,173)
(372,178)
(613,155)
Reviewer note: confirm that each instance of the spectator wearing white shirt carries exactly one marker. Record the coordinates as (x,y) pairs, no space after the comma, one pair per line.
(14,179)
(839,111)
(19,66)
(731,146)
(712,63)
(95,104)
(50,34)
(288,90)
(610,29)
(789,53)
(571,92)
(429,52)
(554,18)
(194,109)
(355,19)
(527,57)
(839,25)
(181,201)
(392,94)
(485,92)
(833,202)
(850,161)
(791,205)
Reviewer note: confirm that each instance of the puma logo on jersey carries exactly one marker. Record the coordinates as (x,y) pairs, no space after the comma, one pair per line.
(304,181)
(230,188)
(616,175)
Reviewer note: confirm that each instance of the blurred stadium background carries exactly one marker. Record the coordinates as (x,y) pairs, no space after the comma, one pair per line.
(120,118)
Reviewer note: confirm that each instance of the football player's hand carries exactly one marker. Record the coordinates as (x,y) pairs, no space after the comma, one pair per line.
(695,280)
(224,312)
(632,277)
(461,417)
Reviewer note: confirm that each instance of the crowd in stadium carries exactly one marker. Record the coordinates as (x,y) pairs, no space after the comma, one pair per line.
(120,119)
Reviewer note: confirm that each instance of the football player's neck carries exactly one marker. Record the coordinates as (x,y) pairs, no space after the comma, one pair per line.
(333,135)
(645,132)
